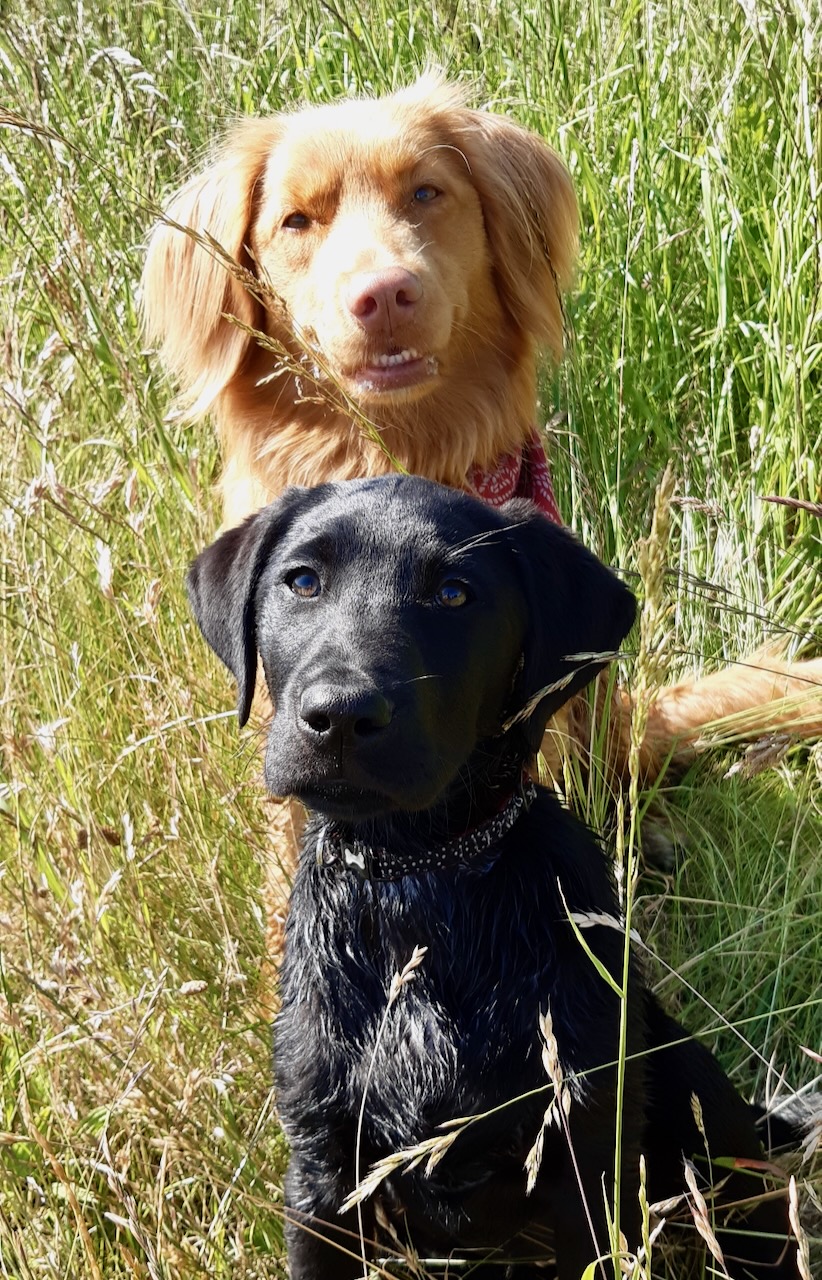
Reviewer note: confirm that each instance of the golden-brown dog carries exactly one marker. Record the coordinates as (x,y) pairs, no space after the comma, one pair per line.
(417,245)
(405,257)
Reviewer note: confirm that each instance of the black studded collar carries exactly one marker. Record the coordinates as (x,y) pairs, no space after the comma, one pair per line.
(339,851)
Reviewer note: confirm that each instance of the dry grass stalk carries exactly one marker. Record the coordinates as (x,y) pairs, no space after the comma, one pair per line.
(701,1217)
(58,1169)
(580,660)
(118,1185)
(763,754)
(399,981)
(431,1150)
(643,1268)
(556,1114)
(405,1251)
(699,1121)
(590,919)
(406,974)
(650,1235)
(560,1104)
(803,1252)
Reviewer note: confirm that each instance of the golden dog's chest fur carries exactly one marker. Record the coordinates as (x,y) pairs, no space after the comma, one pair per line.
(400,259)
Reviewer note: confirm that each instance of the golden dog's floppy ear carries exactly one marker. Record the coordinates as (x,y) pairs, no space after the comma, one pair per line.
(531,220)
(187,289)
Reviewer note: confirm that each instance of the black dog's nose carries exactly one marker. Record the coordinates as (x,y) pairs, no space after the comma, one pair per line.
(329,713)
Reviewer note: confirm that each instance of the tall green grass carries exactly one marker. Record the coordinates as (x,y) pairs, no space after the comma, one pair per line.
(137,1130)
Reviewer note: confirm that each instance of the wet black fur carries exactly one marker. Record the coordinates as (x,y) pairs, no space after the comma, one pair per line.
(389,710)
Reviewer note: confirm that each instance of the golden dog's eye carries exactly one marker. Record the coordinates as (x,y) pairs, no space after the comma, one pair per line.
(426,193)
(304,583)
(452,593)
(296,221)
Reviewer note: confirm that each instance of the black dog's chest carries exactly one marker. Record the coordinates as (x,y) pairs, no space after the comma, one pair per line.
(439,1045)
(460,1039)
(456,1041)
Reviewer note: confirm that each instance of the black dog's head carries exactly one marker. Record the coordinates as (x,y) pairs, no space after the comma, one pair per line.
(400,624)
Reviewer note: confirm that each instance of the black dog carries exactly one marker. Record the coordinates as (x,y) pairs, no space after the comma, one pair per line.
(415,642)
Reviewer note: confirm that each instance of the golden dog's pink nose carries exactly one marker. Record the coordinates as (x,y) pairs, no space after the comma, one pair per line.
(382,300)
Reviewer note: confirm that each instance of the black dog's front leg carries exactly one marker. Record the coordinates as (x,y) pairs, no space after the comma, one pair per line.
(580,1214)
(321,1243)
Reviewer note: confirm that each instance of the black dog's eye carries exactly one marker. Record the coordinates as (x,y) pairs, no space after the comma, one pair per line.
(452,593)
(426,193)
(304,583)
(297,221)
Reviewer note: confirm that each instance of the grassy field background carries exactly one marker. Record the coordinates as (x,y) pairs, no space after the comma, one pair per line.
(137,1134)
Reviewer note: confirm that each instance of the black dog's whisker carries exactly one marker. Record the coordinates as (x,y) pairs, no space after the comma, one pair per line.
(487,538)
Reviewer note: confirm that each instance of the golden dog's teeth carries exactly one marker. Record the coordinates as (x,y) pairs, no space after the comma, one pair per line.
(402,357)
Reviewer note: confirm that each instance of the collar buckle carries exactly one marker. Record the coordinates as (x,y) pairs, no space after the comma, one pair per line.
(357,857)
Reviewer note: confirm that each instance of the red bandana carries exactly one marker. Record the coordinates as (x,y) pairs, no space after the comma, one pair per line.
(524,474)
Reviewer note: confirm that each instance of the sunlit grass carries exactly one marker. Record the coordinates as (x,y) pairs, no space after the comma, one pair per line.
(137,1130)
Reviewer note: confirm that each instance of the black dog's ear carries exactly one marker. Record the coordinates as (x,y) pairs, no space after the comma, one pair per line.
(579,612)
(222,584)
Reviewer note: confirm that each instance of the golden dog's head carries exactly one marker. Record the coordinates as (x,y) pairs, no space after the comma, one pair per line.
(407,236)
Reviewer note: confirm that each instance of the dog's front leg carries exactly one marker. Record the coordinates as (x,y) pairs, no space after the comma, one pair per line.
(575,1249)
(581,1221)
(321,1243)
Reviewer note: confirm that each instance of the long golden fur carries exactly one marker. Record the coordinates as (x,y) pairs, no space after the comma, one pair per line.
(419,249)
